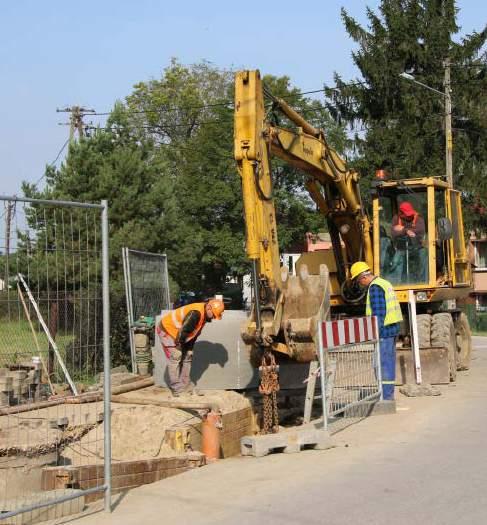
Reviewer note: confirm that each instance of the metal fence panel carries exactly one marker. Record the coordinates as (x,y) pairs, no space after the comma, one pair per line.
(54,351)
(350,358)
(148,281)
(146,288)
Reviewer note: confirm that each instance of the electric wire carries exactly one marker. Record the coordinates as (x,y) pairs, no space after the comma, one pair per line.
(51,164)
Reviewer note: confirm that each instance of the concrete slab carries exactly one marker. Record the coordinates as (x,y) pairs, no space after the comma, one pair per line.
(372,408)
(434,366)
(288,441)
(221,359)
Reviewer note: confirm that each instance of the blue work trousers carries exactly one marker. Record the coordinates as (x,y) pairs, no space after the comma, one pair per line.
(388,366)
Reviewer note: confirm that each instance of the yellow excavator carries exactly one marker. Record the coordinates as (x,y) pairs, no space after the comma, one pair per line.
(286,308)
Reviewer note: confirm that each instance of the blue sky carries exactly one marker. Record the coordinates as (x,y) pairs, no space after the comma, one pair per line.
(55,53)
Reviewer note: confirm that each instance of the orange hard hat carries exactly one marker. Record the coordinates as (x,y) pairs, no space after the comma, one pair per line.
(217,307)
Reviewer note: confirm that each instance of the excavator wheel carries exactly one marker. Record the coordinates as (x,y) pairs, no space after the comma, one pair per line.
(443,335)
(464,342)
(424,330)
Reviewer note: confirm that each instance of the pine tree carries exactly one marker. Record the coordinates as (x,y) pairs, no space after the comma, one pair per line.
(399,125)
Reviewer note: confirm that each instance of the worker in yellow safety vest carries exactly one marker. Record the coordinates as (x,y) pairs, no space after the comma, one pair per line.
(383,304)
(178,331)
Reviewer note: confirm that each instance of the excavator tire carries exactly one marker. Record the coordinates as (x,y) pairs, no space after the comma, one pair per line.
(424,330)
(464,342)
(443,335)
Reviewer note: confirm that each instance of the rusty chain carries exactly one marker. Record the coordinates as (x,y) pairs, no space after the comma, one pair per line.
(269,386)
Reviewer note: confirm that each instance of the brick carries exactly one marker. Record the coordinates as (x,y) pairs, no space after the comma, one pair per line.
(129,467)
(90,483)
(150,477)
(91,472)
(128,480)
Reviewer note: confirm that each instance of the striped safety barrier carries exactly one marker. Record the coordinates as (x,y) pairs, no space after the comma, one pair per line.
(349,331)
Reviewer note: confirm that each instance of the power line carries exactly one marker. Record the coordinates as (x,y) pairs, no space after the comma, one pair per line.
(226,103)
(51,164)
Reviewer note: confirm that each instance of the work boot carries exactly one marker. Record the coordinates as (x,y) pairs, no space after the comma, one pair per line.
(191,390)
(175,393)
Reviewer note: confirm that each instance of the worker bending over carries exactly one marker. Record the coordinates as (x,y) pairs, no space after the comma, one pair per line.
(382,303)
(178,331)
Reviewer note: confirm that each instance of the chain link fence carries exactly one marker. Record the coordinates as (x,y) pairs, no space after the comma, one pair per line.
(54,327)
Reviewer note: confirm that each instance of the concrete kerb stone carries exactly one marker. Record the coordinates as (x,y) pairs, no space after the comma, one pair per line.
(288,441)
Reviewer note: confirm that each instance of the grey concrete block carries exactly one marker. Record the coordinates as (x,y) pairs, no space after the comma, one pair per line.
(288,441)
(411,390)
(383,407)
(221,359)
(49,512)
(372,408)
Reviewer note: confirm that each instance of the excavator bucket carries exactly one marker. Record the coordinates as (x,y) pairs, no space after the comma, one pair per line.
(304,301)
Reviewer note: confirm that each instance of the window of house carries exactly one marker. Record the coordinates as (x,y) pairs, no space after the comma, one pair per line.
(481,254)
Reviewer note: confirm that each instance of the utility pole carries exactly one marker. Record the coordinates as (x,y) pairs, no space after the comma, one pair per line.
(76,119)
(8,225)
(448,132)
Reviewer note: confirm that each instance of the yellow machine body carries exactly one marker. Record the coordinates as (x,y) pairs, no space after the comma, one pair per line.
(287,308)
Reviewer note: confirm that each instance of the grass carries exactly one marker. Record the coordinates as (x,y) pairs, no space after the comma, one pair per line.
(17,342)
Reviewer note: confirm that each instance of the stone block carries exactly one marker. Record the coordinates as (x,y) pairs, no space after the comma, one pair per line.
(289,441)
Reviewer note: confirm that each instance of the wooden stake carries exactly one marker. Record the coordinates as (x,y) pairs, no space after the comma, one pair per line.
(46,371)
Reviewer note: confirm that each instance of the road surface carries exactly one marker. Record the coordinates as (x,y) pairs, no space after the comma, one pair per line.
(426,464)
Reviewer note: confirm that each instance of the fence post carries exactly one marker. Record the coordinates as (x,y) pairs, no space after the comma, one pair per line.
(324,400)
(128,300)
(415,339)
(107,445)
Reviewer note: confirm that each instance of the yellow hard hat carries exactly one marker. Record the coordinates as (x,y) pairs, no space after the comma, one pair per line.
(217,307)
(358,268)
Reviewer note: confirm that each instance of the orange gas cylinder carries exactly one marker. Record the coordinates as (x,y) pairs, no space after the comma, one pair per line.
(210,435)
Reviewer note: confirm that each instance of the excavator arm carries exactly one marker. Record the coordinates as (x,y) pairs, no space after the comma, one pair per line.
(286,309)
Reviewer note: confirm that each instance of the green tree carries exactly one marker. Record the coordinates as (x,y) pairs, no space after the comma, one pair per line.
(165,163)
(399,125)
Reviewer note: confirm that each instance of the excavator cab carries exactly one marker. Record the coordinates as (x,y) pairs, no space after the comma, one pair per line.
(419,246)
(423,249)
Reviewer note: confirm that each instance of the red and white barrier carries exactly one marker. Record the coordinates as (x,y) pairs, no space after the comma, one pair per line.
(349,331)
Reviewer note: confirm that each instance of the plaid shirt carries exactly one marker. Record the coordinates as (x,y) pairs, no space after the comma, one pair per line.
(378,307)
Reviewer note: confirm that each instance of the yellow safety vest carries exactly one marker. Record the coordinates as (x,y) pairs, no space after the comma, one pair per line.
(393,308)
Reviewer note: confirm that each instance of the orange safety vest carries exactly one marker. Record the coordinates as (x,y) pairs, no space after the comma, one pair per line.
(172,322)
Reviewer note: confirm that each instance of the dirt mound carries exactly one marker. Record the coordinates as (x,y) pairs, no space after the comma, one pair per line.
(137,433)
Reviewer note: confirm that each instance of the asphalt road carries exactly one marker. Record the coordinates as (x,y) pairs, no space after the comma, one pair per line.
(426,464)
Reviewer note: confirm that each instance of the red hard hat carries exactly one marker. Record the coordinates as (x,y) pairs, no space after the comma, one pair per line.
(407,209)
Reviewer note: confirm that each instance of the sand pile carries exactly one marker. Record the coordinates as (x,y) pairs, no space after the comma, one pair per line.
(227,400)
(137,433)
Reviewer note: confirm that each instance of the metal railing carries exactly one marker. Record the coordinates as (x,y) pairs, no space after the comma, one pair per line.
(54,349)
(349,355)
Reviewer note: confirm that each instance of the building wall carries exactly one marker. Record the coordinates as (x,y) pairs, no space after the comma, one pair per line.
(480,272)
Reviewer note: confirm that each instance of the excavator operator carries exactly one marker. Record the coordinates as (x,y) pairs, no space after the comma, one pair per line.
(409,263)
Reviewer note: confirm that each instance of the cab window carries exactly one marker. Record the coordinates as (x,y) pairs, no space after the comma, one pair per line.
(403,223)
